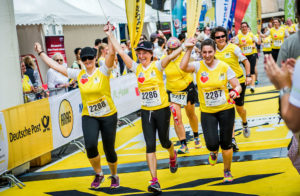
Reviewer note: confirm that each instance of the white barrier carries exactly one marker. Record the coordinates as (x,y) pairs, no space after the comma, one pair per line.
(3,145)
(65,117)
(124,92)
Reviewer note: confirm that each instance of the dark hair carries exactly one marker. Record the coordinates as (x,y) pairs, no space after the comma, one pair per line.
(97,42)
(218,29)
(76,50)
(205,28)
(244,23)
(144,37)
(208,42)
(160,41)
(277,19)
(181,36)
(105,40)
(263,29)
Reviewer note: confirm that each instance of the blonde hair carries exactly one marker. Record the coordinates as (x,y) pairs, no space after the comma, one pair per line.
(56,55)
(29,62)
(101,47)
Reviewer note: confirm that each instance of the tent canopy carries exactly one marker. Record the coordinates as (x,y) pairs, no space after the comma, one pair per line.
(76,12)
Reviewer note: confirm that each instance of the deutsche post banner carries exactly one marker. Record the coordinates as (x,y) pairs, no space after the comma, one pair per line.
(29,131)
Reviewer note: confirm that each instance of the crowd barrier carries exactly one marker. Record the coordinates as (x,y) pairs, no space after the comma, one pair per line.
(30,130)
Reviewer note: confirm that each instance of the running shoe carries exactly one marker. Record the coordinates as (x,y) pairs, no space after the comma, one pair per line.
(234,145)
(198,144)
(154,187)
(252,90)
(173,165)
(115,182)
(97,181)
(256,82)
(183,149)
(227,176)
(213,158)
(246,132)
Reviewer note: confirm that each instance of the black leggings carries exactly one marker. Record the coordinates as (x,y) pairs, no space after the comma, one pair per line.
(156,120)
(108,127)
(210,122)
(275,53)
(252,60)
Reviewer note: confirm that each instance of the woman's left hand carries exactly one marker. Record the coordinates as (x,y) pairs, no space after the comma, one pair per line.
(280,77)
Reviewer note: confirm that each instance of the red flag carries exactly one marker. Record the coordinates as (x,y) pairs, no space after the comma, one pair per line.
(240,10)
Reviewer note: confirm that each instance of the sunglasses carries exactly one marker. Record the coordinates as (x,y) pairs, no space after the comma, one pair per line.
(87,58)
(219,37)
(59,60)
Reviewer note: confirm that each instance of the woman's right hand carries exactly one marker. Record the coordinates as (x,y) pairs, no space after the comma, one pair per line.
(191,42)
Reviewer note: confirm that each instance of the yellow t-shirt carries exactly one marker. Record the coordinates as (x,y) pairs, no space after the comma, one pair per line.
(277,36)
(246,43)
(212,87)
(291,28)
(177,80)
(230,54)
(26,84)
(267,44)
(151,87)
(95,94)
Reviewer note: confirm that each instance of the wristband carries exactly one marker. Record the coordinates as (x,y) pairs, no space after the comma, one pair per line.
(284,91)
(183,47)
(236,93)
(40,52)
(248,75)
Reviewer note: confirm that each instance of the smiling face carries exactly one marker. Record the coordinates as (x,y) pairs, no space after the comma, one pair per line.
(144,57)
(89,63)
(244,28)
(220,39)
(276,24)
(208,54)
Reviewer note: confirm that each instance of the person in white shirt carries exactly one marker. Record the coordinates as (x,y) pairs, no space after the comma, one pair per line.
(57,83)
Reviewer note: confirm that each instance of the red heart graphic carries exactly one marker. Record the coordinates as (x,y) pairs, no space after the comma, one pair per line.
(204,79)
(275,35)
(141,79)
(84,80)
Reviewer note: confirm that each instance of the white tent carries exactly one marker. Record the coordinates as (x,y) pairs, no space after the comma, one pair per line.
(76,12)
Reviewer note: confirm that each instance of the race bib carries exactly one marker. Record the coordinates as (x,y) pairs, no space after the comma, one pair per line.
(98,107)
(247,49)
(179,98)
(214,98)
(277,43)
(267,45)
(151,97)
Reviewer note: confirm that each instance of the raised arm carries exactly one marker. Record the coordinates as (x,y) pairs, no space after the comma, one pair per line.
(110,57)
(127,60)
(50,62)
(184,64)
(165,61)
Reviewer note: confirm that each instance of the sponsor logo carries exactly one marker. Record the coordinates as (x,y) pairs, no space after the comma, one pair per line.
(141,78)
(65,118)
(204,77)
(222,76)
(42,127)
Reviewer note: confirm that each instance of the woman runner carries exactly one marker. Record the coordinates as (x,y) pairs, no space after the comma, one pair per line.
(182,92)
(216,106)
(99,111)
(155,111)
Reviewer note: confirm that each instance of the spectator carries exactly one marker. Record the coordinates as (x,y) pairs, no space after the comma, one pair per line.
(102,51)
(105,40)
(31,71)
(154,40)
(181,37)
(57,83)
(206,33)
(159,51)
(97,44)
(28,89)
(77,64)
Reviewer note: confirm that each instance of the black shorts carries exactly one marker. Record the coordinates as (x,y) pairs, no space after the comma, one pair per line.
(267,52)
(252,59)
(192,93)
(240,101)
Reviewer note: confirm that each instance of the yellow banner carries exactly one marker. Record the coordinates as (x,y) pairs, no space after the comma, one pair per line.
(29,131)
(259,20)
(135,11)
(193,10)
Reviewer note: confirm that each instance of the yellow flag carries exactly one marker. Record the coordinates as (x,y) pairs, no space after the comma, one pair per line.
(193,10)
(135,11)
(259,20)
